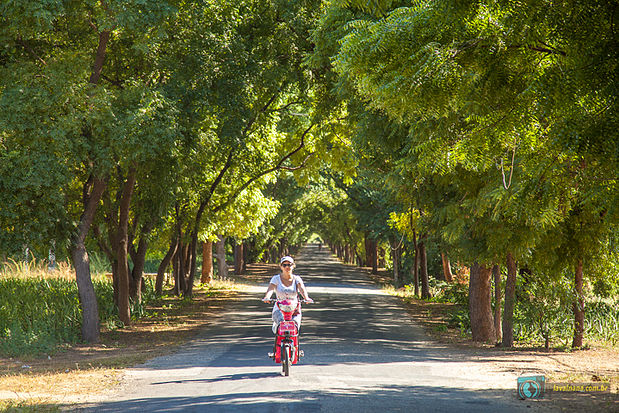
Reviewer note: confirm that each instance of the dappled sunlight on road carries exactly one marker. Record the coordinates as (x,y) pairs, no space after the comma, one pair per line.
(317,288)
(362,353)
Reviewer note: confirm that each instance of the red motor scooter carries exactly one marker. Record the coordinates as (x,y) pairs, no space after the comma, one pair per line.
(286,349)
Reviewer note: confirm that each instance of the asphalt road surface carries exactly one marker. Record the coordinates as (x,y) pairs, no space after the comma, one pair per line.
(362,354)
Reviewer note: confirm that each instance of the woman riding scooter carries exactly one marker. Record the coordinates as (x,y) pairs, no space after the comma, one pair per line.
(286,286)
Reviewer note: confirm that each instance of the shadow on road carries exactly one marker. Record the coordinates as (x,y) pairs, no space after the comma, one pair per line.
(229,377)
(352,322)
(386,399)
(362,352)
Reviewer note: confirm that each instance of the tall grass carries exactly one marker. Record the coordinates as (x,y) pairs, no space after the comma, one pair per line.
(602,321)
(542,314)
(39,309)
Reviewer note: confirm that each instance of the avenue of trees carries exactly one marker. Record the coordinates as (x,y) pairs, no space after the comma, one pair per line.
(494,127)
(421,135)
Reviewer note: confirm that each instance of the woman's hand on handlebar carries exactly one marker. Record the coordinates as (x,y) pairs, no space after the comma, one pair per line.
(308,300)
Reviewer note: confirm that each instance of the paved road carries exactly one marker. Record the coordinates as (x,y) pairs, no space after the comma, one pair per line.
(362,355)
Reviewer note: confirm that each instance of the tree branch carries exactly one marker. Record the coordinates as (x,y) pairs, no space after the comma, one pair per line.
(283,108)
(548,49)
(278,166)
(104,37)
(30,50)
(262,110)
(221,173)
(301,165)
(212,189)
(116,83)
(90,207)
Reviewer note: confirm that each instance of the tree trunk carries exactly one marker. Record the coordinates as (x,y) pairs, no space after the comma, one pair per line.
(247,248)
(137,273)
(238,258)
(369,255)
(480,304)
(79,255)
(207,262)
(110,217)
(86,291)
(185,261)
(374,252)
(222,267)
(416,265)
(395,254)
(381,257)
(105,248)
(176,270)
(81,263)
(273,255)
(163,266)
(192,257)
(425,283)
(496,275)
(578,307)
(124,312)
(115,284)
(510,301)
(447,274)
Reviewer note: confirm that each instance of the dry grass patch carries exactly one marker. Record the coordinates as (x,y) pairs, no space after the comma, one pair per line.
(59,386)
(596,363)
(31,405)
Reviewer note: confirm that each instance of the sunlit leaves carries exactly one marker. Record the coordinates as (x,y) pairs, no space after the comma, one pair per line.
(506,111)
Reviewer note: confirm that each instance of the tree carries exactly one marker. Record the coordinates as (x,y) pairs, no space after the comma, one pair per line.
(480,99)
(50,58)
(241,90)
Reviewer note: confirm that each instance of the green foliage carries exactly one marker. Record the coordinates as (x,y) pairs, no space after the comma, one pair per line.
(500,130)
(56,128)
(543,311)
(459,318)
(602,321)
(303,210)
(481,128)
(449,292)
(99,264)
(37,315)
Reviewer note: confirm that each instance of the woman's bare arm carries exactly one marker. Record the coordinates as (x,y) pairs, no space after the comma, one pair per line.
(269,293)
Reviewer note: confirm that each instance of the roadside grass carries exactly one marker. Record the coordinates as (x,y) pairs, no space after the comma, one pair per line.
(74,371)
(40,308)
(32,405)
(447,322)
(449,302)
(443,321)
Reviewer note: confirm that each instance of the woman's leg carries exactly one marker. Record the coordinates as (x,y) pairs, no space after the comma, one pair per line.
(297,319)
(278,317)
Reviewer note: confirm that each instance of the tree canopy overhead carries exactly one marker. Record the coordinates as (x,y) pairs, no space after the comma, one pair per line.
(484,131)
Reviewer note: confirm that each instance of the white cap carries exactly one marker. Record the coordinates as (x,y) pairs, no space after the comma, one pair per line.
(286,258)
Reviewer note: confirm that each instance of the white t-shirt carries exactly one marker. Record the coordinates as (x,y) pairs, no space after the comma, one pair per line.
(286,293)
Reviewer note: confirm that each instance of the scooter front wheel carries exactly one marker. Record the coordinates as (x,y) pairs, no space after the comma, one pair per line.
(286,360)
